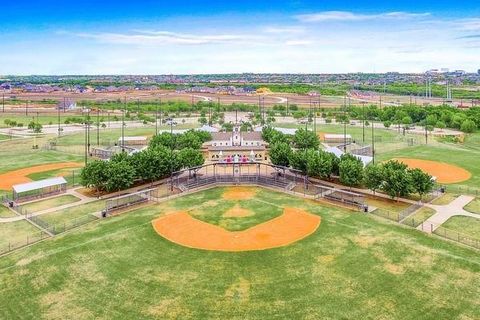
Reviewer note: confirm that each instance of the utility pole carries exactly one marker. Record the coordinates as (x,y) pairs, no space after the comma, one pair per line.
(85,120)
(26,108)
(123,123)
(363,120)
(3,102)
(373,141)
(58,115)
(156,119)
(98,125)
(344,125)
(138,106)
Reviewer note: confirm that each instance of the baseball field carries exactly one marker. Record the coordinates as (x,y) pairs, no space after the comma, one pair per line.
(350,266)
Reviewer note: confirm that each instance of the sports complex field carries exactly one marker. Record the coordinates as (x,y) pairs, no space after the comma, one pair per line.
(352,266)
(248,252)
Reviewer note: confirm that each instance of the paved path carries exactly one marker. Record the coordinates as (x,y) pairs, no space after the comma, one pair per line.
(454,208)
(73,192)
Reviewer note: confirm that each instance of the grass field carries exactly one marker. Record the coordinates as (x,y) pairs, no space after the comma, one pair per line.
(419,217)
(354,266)
(80,211)
(50,203)
(445,199)
(215,210)
(5,212)
(71,175)
(4,137)
(473,206)
(465,225)
(17,232)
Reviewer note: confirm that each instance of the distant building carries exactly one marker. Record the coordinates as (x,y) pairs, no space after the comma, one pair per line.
(236,146)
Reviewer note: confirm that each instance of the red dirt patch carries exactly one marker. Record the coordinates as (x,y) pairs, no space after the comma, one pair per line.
(181,228)
(239,193)
(444,172)
(7,180)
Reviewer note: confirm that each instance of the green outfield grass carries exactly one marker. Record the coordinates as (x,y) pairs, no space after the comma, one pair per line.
(19,154)
(4,137)
(50,203)
(419,217)
(355,266)
(76,212)
(465,225)
(473,206)
(71,175)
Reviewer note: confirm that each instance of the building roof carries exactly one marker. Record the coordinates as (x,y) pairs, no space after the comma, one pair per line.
(133,138)
(365,159)
(208,129)
(337,136)
(221,136)
(236,148)
(35,185)
(289,131)
(252,136)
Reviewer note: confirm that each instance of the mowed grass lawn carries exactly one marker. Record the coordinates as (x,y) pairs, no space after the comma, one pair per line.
(474,206)
(76,212)
(355,266)
(419,217)
(469,226)
(5,212)
(50,203)
(17,233)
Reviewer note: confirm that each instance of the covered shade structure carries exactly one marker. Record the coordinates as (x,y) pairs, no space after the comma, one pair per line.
(39,189)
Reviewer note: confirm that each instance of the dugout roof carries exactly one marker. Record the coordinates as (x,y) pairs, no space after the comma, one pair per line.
(36,185)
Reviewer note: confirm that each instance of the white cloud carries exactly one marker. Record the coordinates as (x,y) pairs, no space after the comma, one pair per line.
(351,16)
(298,42)
(165,37)
(284,30)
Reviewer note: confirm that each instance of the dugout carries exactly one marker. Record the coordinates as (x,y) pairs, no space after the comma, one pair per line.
(39,189)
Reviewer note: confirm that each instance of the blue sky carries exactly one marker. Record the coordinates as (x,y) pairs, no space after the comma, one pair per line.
(158,37)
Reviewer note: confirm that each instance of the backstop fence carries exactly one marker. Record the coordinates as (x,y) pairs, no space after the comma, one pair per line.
(262,174)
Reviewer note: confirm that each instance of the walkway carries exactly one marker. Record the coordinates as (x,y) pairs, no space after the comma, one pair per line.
(454,208)
(73,192)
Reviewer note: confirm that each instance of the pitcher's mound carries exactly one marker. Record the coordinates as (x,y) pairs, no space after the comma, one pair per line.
(238,212)
(239,193)
(445,173)
(181,228)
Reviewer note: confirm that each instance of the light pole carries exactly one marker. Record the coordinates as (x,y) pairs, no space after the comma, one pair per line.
(373,141)
(156,119)
(363,120)
(344,125)
(98,125)
(123,123)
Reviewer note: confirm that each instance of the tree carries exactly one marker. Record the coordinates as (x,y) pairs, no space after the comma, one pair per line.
(440,125)
(319,164)
(304,139)
(373,177)
(351,170)
(298,160)
(94,175)
(121,176)
(280,154)
(35,127)
(422,183)
(468,126)
(165,139)
(397,181)
(190,158)
(188,139)
(202,120)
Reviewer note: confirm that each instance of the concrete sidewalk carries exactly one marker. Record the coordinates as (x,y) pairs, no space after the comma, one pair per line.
(454,208)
